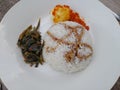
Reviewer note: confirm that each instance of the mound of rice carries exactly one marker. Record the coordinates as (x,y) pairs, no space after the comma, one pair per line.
(68,47)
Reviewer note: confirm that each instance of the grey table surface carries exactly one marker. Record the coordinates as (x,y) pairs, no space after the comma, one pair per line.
(5,5)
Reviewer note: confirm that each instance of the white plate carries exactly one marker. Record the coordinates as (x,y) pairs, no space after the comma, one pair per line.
(101,74)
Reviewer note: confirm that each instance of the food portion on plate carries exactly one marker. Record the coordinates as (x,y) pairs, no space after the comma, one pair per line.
(62,13)
(66,46)
(31,45)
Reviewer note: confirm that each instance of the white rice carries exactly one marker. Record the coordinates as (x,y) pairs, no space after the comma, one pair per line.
(56,59)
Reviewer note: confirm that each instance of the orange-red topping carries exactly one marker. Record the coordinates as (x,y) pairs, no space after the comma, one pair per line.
(65,13)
